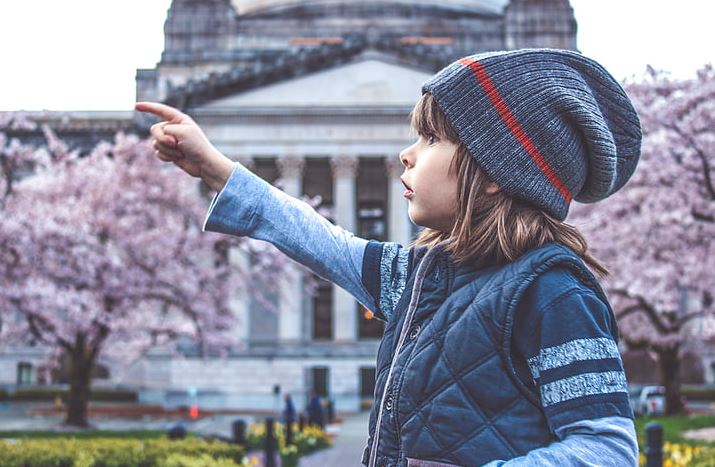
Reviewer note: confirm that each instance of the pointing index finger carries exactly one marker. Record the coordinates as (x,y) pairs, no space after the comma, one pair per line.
(160,110)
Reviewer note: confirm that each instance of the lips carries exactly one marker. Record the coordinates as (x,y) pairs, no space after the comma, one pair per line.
(408,190)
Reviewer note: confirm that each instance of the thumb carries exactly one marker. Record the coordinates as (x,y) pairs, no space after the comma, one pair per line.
(177,131)
(166,138)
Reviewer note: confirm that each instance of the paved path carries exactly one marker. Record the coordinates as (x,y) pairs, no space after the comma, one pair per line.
(348,446)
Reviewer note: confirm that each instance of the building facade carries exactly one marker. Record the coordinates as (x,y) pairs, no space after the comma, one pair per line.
(314,95)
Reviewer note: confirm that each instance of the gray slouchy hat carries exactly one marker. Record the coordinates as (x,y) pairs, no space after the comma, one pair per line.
(546,125)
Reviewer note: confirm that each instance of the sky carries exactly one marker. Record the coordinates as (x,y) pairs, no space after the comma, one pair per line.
(83,54)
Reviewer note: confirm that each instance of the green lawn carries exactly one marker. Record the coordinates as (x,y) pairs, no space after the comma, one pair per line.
(90,434)
(674,426)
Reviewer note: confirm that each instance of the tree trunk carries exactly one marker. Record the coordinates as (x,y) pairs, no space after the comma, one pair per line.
(669,360)
(80,373)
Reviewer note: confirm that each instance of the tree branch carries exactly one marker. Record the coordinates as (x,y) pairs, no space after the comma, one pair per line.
(701,216)
(699,153)
(646,308)
(34,320)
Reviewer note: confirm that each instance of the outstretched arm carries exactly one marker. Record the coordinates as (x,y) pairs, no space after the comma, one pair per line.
(245,205)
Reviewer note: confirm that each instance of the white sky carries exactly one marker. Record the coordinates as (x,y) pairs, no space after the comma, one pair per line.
(83,54)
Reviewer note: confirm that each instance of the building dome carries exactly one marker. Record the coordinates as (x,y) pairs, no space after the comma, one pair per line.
(540,23)
(214,47)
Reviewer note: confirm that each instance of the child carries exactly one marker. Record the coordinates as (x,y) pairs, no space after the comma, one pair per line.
(499,346)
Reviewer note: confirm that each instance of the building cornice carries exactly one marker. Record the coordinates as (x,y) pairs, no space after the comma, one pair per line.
(304,61)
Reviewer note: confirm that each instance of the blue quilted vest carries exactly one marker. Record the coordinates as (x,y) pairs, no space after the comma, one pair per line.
(446,390)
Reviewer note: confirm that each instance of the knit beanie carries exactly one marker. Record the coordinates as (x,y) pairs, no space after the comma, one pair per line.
(547,126)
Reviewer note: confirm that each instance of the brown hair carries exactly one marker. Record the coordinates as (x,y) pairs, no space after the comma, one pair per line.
(490,228)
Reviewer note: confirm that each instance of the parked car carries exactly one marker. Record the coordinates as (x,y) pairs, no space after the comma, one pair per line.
(651,401)
(634,393)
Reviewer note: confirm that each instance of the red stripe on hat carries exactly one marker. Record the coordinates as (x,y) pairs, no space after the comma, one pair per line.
(491,90)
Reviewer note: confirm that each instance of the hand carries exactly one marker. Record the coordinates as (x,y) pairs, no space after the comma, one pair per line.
(180,140)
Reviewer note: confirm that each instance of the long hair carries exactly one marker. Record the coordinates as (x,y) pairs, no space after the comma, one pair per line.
(491,229)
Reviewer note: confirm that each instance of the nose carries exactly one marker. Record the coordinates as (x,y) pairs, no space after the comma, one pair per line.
(405,157)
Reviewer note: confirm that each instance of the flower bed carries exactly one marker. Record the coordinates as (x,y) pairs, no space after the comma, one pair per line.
(311,439)
(72,452)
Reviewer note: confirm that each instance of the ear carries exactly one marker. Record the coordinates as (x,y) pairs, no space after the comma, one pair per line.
(492,188)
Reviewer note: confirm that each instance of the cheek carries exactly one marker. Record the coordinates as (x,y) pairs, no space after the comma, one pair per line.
(445,192)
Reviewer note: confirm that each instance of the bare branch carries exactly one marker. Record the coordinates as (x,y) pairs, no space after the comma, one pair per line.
(644,307)
(698,152)
(34,320)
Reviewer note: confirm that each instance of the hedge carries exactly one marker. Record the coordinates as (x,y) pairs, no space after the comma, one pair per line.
(698,393)
(70,452)
(49,394)
(85,434)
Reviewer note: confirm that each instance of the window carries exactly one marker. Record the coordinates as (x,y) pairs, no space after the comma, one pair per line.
(371,219)
(24,373)
(371,186)
(323,310)
(263,313)
(318,180)
(319,380)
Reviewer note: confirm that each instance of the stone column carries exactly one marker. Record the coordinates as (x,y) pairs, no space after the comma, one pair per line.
(398,222)
(239,299)
(344,305)
(290,311)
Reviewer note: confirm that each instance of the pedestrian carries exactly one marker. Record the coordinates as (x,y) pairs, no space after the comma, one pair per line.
(500,346)
(288,411)
(315,410)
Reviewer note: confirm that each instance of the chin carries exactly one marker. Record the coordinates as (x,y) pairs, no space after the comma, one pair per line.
(422,222)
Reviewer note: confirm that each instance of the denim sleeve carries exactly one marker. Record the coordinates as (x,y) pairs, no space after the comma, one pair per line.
(249,206)
(568,336)
(607,442)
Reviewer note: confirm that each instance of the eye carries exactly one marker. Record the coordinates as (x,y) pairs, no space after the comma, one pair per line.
(431,138)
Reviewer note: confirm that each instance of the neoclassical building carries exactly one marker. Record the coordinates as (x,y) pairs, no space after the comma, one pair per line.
(314,95)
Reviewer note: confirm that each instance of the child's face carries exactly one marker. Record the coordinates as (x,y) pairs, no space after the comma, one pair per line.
(431,188)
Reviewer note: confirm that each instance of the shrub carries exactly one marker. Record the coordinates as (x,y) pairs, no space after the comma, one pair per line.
(69,452)
(311,439)
(289,456)
(49,394)
(704,457)
(698,393)
(84,434)
(181,460)
(682,455)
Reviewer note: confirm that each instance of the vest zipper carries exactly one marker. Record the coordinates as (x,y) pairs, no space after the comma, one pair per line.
(416,290)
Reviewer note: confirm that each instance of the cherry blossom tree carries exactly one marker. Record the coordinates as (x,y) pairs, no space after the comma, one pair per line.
(102,255)
(657,234)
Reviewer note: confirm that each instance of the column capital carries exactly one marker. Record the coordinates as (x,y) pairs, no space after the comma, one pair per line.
(290,166)
(344,166)
(394,167)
